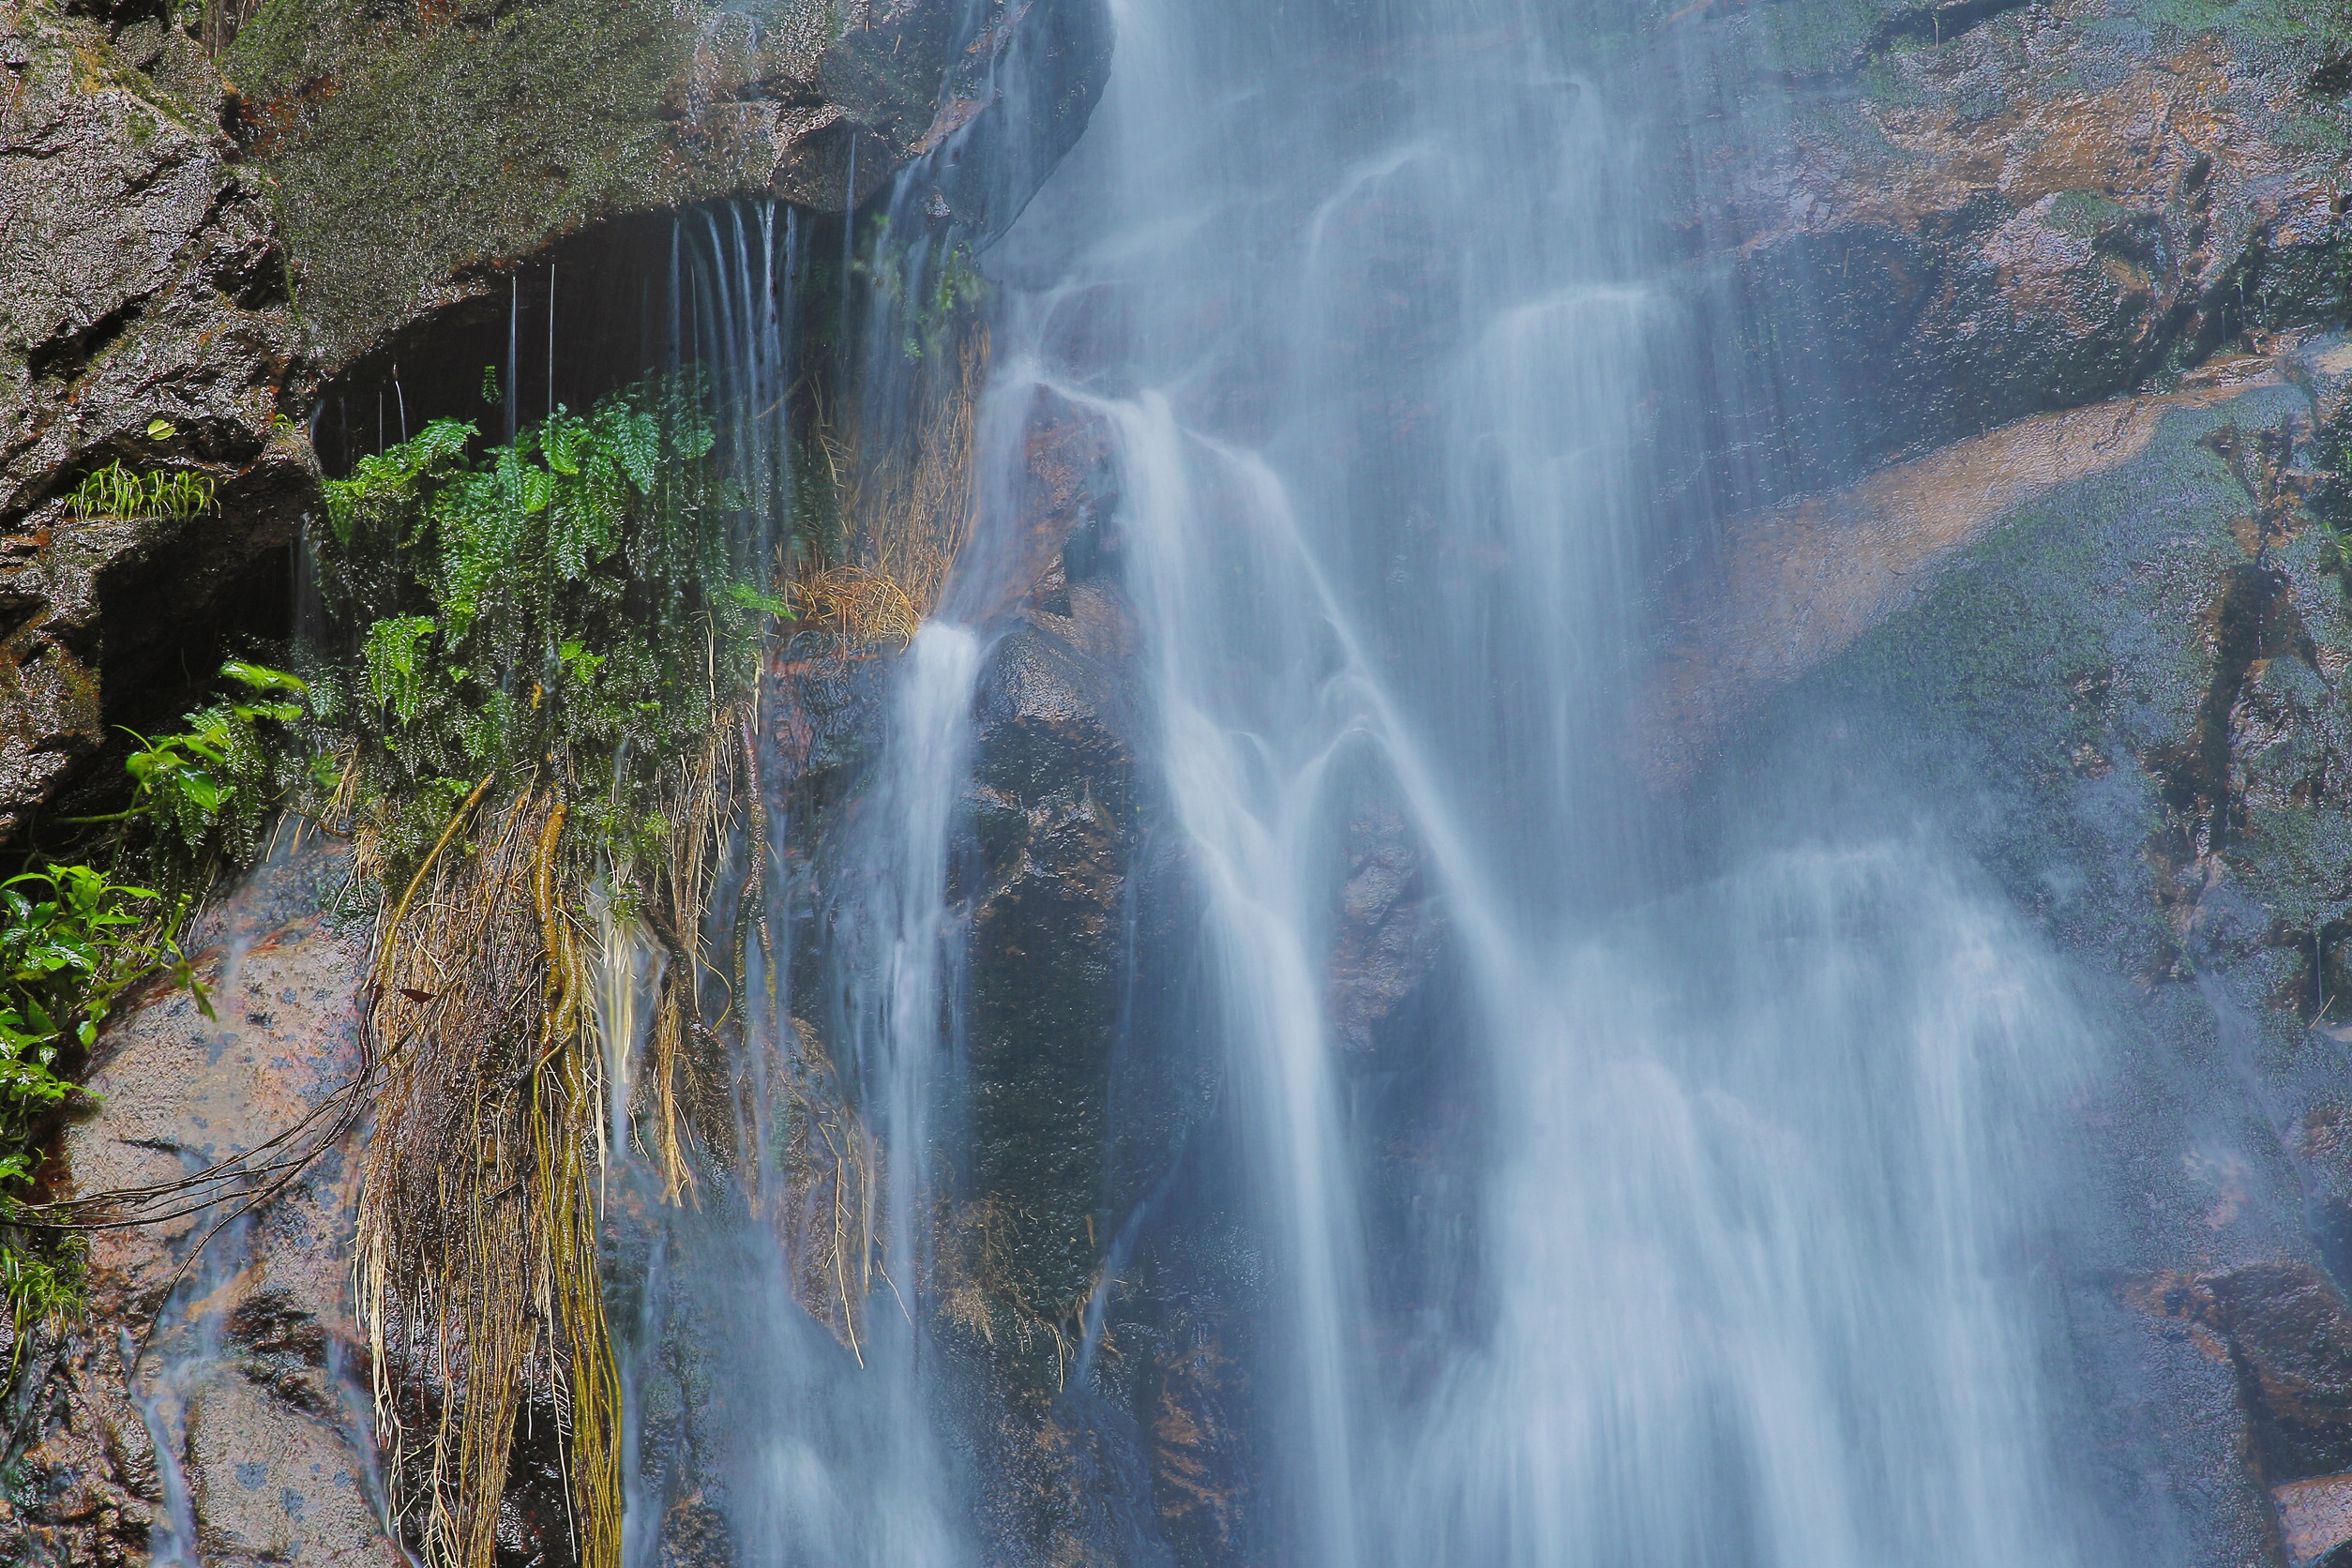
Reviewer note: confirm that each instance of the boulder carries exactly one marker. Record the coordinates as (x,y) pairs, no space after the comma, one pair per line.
(1928,219)
(422,149)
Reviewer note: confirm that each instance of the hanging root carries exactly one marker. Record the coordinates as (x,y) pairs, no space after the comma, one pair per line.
(684,1100)
(476,1253)
(477,1246)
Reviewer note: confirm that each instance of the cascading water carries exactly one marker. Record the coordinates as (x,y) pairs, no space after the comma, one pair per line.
(1685,1225)
(1395,374)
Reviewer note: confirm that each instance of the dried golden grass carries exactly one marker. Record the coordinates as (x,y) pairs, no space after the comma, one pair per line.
(476,1255)
(712,803)
(860,606)
(909,505)
(505,972)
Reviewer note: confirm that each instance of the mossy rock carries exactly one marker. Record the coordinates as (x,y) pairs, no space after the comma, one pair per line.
(421,146)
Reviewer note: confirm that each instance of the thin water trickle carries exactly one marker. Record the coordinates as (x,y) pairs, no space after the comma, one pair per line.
(183,1353)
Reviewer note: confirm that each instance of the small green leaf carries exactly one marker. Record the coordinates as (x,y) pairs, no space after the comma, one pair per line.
(262,678)
(200,786)
(161,429)
(749,598)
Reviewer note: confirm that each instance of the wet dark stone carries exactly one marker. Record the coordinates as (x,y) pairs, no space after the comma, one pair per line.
(143,285)
(2291,1341)
(1054,828)
(694,1534)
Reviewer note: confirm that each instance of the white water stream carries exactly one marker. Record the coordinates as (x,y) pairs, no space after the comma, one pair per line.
(1739,1171)
(1755,1157)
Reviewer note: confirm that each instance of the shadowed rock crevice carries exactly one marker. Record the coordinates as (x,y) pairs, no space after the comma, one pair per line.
(1935,24)
(2253,620)
(141,287)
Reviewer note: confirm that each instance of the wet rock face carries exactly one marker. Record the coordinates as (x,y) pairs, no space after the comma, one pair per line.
(1948,220)
(2284,1334)
(141,281)
(251,1375)
(1387,936)
(1083,1095)
(1054,824)
(2123,688)
(1055,529)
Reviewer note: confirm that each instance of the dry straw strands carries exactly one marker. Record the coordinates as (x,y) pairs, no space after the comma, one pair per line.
(518,971)
(478,1239)
(908,506)
(863,605)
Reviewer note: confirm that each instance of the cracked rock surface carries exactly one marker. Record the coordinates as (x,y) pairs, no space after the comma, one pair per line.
(143,319)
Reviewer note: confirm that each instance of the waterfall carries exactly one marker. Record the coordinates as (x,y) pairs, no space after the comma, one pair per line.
(1683,1219)
(1737,1155)
(798,1438)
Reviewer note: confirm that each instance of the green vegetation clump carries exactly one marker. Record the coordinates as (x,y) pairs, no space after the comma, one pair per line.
(566,608)
(70,944)
(567,603)
(74,939)
(924,289)
(116,493)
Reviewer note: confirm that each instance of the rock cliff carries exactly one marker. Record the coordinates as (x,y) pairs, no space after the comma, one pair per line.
(2035,306)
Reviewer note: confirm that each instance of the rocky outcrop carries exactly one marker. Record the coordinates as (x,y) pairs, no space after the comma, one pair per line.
(215,1403)
(2115,639)
(1053,816)
(420,150)
(169,291)
(1933,219)
(2283,1331)
(1795,584)
(144,319)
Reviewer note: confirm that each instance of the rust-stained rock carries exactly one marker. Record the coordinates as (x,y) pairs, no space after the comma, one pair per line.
(1199,1453)
(1055,525)
(2291,1339)
(253,1372)
(694,1534)
(1799,583)
(2314,1517)
(2283,1330)
(818,712)
(2006,210)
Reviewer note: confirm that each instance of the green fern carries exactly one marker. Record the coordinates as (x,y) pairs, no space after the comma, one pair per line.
(560,597)
(394,676)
